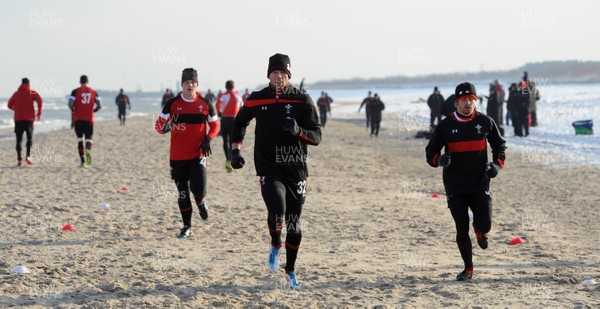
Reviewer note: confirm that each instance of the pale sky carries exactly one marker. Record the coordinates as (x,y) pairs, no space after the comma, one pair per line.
(146,44)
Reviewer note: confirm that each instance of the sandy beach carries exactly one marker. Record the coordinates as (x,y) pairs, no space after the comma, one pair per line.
(373,235)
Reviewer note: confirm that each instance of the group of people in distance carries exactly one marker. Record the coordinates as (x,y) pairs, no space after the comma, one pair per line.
(287,121)
(521,106)
(373,109)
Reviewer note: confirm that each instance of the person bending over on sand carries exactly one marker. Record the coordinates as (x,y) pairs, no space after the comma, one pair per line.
(228,106)
(22,103)
(376,108)
(467,172)
(122,102)
(286,122)
(186,117)
(84,102)
(366,103)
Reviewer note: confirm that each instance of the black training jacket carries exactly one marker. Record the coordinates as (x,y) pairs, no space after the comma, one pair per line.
(466,139)
(277,152)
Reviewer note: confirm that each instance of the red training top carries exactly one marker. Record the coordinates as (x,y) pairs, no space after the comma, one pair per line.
(188,120)
(22,103)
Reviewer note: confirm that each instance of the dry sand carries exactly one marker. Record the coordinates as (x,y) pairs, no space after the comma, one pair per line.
(373,235)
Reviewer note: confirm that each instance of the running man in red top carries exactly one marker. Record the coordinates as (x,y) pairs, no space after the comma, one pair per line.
(22,103)
(186,116)
(228,106)
(84,102)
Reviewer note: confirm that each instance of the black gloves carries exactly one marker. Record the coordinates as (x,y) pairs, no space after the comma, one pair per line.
(444,160)
(205,146)
(290,125)
(491,169)
(237,161)
(166,128)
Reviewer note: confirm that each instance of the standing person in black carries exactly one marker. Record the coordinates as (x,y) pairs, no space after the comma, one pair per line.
(122,102)
(324,107)
(467,172)
(435,102)
(492,104)
(366,103)
(522,105)
(376,107)
(286,122)
(511,106)
(166,97)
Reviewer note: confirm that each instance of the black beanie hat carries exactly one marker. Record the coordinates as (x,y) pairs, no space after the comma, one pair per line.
(25,80)
(189,74)
(229,85)
(83,79)
(280,62)
(465,89)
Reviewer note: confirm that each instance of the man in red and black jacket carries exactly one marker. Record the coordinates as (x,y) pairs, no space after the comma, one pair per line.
(22,103)
(228,106)
(186,116)
(467,172)
(84,102)
(286,122)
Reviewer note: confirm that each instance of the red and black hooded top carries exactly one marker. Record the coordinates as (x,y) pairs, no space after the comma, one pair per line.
(22,103)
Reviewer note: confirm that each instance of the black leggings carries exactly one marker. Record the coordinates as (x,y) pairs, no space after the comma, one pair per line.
(481,206)
(284,201)
(189,175)
(27,127)
(323,115)
(227,133)
(122,114)
(84,129)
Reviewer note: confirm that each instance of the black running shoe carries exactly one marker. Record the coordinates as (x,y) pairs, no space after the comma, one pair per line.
(482,240)
(203,211)
(465,275)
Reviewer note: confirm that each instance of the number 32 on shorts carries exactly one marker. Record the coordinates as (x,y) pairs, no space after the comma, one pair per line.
(301,188)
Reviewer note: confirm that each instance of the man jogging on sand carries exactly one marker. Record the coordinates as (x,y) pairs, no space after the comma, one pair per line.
(286,122)
(228,106)
(186,117)
(467,172)
(22,103)
(84,102)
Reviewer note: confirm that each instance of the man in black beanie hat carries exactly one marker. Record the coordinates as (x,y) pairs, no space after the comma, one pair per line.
(286,122)
(467,172)
(186,116)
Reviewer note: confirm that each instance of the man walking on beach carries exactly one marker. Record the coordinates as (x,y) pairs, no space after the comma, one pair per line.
(435,102)
(84,102)
(122,102)
(467,172)
(228,106)
(377,108)
(324,107)
(366,103)
(186,117)
(286,122)
(21,103)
